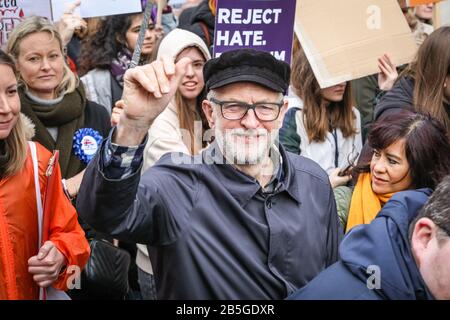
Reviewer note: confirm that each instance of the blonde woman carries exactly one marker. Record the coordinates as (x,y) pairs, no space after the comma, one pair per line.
(52,97)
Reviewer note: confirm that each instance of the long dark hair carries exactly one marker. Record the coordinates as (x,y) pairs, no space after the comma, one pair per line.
(427,146)
(102,48)
(188,115)
(317,117)
(429,71)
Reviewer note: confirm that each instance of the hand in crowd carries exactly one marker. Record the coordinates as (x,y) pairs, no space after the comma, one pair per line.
(147,91)
(116,112)
(336,180)
(388,73)
(73,184)
(46,265)
(70,22)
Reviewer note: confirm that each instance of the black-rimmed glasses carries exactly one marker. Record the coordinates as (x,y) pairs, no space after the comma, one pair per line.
(236,110)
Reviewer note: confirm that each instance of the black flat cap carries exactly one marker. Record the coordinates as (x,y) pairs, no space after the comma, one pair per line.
(247,65)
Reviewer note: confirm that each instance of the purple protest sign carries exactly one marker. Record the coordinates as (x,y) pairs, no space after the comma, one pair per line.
(258,24)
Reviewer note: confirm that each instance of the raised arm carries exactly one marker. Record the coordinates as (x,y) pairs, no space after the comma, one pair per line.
(111,199)
(147,92)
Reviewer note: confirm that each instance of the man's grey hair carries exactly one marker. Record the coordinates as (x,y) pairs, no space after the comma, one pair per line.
(437,209)
(211,94)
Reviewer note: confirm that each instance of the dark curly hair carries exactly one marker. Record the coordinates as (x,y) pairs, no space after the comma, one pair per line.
(99,50)
(427,146)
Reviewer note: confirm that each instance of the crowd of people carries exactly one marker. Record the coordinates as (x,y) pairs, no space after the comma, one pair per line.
(236,177)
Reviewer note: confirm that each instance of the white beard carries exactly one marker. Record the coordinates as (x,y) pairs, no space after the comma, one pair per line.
(238,152)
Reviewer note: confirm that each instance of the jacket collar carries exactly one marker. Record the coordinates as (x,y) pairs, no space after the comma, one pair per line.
(240,185)
(385,243)
(288,182)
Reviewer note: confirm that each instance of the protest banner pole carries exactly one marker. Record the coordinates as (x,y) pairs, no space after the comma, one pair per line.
(140,41)
(51,10)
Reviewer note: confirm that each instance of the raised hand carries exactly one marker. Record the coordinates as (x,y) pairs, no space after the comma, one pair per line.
(73,184)
(70,22)
(388,73)
(147,91)
(337,180)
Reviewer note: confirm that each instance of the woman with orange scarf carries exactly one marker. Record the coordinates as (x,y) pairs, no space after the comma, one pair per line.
(410,151)
(25,265)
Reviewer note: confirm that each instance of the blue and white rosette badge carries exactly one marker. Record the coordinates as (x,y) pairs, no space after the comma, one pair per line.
(86,142)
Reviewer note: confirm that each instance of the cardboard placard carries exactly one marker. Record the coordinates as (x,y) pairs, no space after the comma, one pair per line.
(259,24)
(342,39)
(96,8)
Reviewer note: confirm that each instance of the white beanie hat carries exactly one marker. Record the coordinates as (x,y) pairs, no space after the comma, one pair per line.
(177,40)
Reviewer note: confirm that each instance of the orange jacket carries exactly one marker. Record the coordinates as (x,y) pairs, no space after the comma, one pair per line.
(19,231)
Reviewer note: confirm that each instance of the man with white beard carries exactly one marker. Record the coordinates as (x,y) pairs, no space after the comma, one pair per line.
(242,220)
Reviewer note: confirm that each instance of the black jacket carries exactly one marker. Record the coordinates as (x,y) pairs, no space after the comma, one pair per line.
(192,19)
(400,97)
(97,118)
(211,231)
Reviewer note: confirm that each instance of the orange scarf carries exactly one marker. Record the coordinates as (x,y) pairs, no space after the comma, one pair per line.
(365,203)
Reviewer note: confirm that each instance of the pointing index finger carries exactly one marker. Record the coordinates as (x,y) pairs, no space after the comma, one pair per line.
(169,65)
(71,8)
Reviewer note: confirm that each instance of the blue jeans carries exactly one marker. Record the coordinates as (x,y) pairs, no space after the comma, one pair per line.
(147,285)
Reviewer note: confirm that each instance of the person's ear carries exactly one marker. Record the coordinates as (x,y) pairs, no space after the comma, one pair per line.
(209,113)
(284,107)
(423,233)
(283,111)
